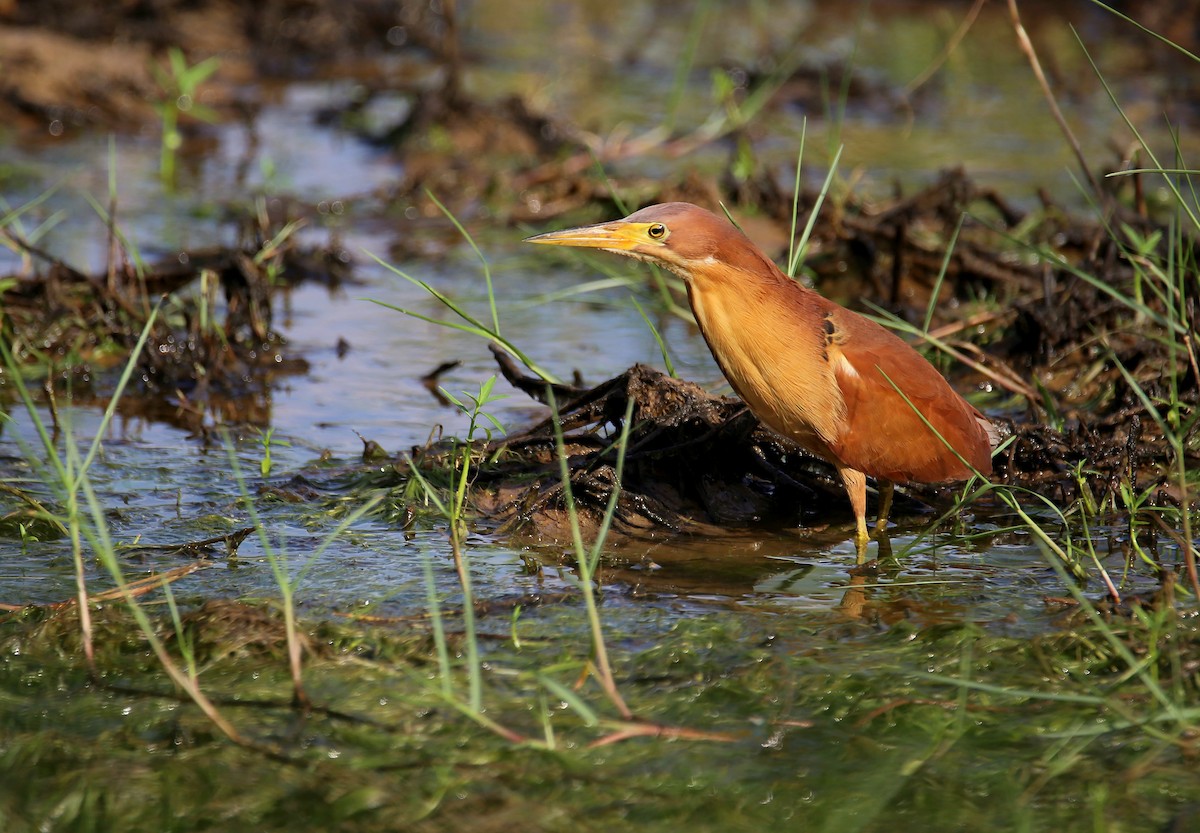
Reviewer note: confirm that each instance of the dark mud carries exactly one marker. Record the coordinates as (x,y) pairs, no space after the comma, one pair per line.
(89,65)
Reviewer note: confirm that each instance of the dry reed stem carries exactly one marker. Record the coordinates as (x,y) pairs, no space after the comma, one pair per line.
(1026,46)
(629,731)
(952,44)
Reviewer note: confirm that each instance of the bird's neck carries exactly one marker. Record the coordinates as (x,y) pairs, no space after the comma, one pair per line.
(764,330)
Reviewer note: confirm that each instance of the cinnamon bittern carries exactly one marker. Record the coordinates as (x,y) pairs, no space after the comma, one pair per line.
(837,384)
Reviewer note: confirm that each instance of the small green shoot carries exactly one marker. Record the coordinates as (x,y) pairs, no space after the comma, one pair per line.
(27,537)
(270,256)
(487,268)
(19,238)
(287,578)
(937,286)
(179,84)
(267,441)
(799,253)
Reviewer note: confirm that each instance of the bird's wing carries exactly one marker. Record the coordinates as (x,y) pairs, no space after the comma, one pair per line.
(884,436)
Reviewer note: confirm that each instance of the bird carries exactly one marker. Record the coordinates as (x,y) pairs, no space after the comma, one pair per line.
(839,385)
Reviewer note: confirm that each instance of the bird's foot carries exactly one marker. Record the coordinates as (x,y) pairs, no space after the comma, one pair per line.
(861,539)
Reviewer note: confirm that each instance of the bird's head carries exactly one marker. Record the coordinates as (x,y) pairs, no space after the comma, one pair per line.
(678,236)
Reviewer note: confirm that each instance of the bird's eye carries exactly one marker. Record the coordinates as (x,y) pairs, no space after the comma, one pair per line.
(657,231)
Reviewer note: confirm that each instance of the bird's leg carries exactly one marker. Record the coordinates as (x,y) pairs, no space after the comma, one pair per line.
(884,553)
(886,490)
(856,487)
(861,539)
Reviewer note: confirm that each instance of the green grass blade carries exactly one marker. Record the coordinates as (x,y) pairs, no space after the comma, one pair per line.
(487,268)
(802,248)
(662,345)
(473,325)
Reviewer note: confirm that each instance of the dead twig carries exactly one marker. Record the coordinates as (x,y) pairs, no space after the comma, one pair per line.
(532,386)
(133,589)
(195,549)
(627,731)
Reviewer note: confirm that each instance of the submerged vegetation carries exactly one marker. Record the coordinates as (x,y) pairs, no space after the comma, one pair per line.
(605,679)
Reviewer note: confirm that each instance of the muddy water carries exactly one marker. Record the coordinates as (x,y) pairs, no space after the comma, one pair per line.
(161,486)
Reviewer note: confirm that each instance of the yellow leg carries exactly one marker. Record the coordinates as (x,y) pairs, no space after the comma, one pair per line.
(861,538)
(856,487)
(886,490)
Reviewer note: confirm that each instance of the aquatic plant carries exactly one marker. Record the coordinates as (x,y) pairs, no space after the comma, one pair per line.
(180,85)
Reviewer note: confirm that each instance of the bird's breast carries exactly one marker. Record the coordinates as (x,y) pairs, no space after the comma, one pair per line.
(773,356)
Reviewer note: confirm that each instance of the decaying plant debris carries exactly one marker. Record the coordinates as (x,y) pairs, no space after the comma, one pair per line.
(213,349)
